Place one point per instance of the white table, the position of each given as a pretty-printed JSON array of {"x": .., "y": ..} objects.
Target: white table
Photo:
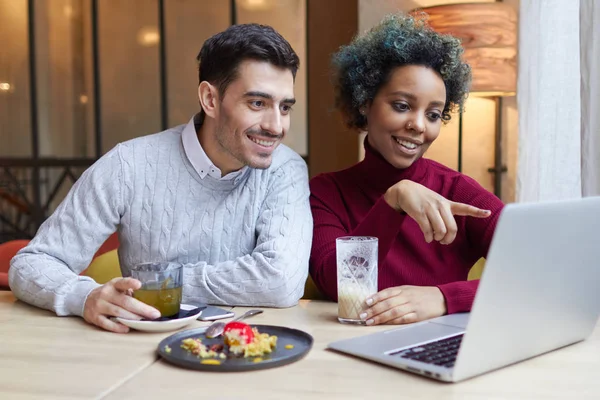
[
  {"x": 46, "y": 357},
  {"x": 571, "y": 373}
]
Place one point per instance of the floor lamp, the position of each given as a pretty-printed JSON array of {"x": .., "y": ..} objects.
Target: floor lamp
[{"x": 488, "y": 32}]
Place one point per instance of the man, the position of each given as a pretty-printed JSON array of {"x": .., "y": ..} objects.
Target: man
[{"x": 219, "y": 195}]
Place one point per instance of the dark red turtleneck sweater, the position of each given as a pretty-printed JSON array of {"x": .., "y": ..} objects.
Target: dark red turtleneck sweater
[{"x": 350, "y": 202}]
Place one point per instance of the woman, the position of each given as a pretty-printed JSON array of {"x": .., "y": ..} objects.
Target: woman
[{"x": 399, "y": 82}]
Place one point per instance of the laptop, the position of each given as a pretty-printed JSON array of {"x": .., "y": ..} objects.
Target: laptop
[{"x": 540, "y": 291}]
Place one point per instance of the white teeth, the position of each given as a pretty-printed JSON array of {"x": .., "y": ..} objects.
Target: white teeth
[
  {"x": 408, "y": 145},
  {"x": 265, "y": 143}
]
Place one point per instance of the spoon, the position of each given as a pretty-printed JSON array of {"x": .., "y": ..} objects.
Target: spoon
[{"x": 216, "y": 328}]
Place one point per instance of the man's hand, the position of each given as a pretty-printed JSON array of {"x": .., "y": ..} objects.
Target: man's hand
[
  {"x": 434, "y": 213},
  {"x": 404, "y": 304},
  {"x": 113, "y": 299}
]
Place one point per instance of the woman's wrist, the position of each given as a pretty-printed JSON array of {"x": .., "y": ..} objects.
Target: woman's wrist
[{"x": 392, "y": 195}]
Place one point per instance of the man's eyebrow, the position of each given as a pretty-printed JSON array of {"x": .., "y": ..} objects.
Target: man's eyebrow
[
  {"x": 258, "y": 94},
  {"x": 268, "y": 96},
  {"x": 412, "y": 97}
]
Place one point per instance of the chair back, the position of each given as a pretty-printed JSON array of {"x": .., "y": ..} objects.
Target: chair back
[
  {"x": 7, "y": 251},
  {"x": 110, "y": 244},
  {"x": 104, "y": 268}
]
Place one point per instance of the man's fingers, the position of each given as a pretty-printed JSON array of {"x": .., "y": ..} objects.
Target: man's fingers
[
  {"x": 114, "y": 310},
  {"x": 468, "y": 211},
  {"x": 114, "y": 301},
  {"x": 124, "y": 284},
  {"x": 136, "y": 307},
  {"x": 110, "y": 325}
]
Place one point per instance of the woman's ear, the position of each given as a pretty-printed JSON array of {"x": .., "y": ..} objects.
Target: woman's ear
[
  {"x": 364, "y": 111},
  {"x": 208, "y": 97}
]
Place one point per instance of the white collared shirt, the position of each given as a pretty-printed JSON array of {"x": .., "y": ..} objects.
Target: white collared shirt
[{"x": 198, "y": 157}]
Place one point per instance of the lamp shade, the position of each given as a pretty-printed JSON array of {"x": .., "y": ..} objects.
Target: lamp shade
[{"x": 488, "y": 32}]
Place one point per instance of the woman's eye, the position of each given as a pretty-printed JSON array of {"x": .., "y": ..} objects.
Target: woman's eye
[
  {"x": 401, "y": 106},
  {"x": 434, "y": 116}
]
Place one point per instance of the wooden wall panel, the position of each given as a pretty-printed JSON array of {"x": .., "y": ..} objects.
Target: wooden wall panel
[{"x": 331, "y": 24}]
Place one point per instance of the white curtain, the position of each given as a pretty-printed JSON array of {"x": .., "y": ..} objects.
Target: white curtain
[
  {"x": 548, "y": 95},
  {"x": 590, "y": 97},
  {"x": 559, "y": 99}
]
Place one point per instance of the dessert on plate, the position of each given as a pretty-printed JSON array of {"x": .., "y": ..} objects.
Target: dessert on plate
[{"x": 239, "y": 340}]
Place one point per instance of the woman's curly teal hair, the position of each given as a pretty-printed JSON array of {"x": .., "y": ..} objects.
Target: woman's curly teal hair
[{"x": 365, "y": 65}]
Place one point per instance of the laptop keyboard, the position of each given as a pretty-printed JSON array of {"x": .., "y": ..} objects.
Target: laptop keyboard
[{"x": 441, "y": 352}]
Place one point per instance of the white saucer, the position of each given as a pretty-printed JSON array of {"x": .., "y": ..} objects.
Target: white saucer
[{"x": 162, "y": 326}]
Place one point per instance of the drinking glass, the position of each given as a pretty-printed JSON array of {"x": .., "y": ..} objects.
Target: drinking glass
[
  {"x": 161, "y": 285},
  {"x": 356, "y": 275}
]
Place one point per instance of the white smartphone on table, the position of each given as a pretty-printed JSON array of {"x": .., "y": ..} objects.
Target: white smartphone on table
[{"x": 212, "y": 313}]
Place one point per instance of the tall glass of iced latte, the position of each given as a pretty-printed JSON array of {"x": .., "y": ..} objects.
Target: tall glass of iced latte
[{"x": 356, "y": 275}]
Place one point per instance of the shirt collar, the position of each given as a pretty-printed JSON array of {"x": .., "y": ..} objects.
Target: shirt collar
[{"x": 198, "y": 157}]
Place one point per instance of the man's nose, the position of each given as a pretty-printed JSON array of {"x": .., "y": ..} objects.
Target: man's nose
[{"x": 272, "y": 122}]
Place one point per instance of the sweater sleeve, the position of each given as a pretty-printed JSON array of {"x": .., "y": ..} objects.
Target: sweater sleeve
[
  {"x": 45, "y": 272},
  {"x": 274, "y": 273},
  {"x": 331, "y": 221},
  {"x": 479, "y": 231}
]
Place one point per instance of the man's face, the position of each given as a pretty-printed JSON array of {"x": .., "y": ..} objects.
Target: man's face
[{"x": 253, "y": 116}]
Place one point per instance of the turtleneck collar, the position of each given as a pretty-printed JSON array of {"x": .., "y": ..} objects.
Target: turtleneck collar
[{"x": 380, "y": 175}]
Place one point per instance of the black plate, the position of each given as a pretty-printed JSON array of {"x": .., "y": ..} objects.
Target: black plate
[{"x": 301, "y": 341}]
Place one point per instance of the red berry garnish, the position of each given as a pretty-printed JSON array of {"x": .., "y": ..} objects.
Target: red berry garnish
[{"x": 238, "y": 332}]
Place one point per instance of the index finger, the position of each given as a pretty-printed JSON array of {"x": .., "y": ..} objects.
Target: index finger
[
  {"x": 124, "y": 284},
  {"x": 468, "y": 210},
  {"x": 122, "y": 299},
  {"x": 137, "y": 307}
]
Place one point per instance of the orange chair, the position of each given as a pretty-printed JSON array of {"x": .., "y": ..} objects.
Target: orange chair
[
  {"x": 7, "y": 252},
  {"x": 111, "y": 243},
  {"x": 9, "y": 249}
]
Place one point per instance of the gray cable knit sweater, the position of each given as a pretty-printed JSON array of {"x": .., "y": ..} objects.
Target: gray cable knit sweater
[{"x": 243, "y": 241}]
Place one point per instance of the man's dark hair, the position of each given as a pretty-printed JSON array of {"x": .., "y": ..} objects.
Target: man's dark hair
[{"x": 221, "y": 54}]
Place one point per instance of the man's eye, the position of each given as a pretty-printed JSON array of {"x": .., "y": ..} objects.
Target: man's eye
[
  {"x": 257, "y": 103},
  {"x": 286, "y": 109}
]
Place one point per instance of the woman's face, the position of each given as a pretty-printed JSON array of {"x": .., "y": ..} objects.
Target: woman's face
[{"x": 405, "y": 116}]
